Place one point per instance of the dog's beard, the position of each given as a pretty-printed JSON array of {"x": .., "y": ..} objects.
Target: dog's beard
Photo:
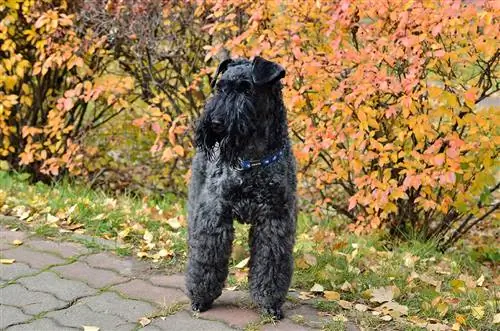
[{"x": 237, "y": 113}]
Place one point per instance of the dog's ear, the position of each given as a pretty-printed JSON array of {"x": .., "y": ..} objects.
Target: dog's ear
[
  {"x": 220, "y": 70},
  {"x": 265, "y": 72}
]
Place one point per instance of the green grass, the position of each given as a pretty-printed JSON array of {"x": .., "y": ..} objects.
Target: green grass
[{"x": 336, "y": 258}]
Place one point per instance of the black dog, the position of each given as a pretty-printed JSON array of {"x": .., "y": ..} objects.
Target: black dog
[{"x": 244, "y": 169}]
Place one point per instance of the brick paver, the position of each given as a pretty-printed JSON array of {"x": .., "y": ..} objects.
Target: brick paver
[
  {"x": 31, "y": 302},
  {"x": 142, "y": 290},
  {"x": 123, "y": 266},
  {"x": 231, "y": 315},
  {"x": 73, "y": 288},
  {"x": 64, "y": 249},
  {"x": 67, "y": 290},
  {"x": 112, "y": 303},
  {"x": 11, "y": 315},
  {"x": 44, "y": 324},
  {"x": 184, "y": 322},
  {"x": 15, "y": 270},
  {"x": 96, "y": 278},
  {"x": 32, "y": 258},
  {"x": 79, "y": 314}
]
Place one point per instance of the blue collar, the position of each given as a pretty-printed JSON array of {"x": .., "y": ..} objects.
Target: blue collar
[{"x": 250, "y": 164}]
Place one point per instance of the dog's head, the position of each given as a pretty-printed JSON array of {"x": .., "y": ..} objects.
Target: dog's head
[{"x": 247, "y": 101}]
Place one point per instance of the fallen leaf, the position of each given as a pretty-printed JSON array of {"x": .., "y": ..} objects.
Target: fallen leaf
[
  {"x": 317, "y": 288},
  {"x": 346, "y": 287},
  {"x": 442, "y": 309},
  {"x": 361, "y": 307},
  {"x": 148, "y": 236},
  {"x": 144, "y": 321},
  {"x": 345, "y": 304},
  {"x": 306, "y": 295},
  {"x": 163, "y": 252},
  {"x": 496, "y": 318},
  {"x": 52, "y": 219},
  {"x": 477, "y": 312},
  {"x": 7, "y": 261},
  {"x": 480, "y": 281},
  {"x": 457, "y": 285},
  {"x": 393, "y": 308},
  {"x": 332, "y": 295},
  {"x": 243, "y": 263},
  {"x": 310, "y": 259},
  {"x": 232, "y": 288},
  {"x": 384, "y": 294},
  {"x": 174, "y": 223},
  {"x": 17, "y": 242},
  {"x": 386, "y": 318},
  {"x": 455, "y": 327},
  {"x": 90, "y": 328}
]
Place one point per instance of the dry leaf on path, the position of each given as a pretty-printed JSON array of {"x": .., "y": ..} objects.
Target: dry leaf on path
[
  {"x": 17, "y": 242},
  {"x": 90, "y": 328},
  {"x": 386, "y": 318},
  {"x": 361, "y": 307},
  {"x": 345, "y": 304},
  {"x": 317, "y": 288},
  {"x": 332, "y": 295},
  {"x": 384, "y": 294},
  {"x": 243, "y": 263},
  {"x": 393, "y": 308},
  {"x": 7, "y": 261},
  {"x": 144, "y": 321}
]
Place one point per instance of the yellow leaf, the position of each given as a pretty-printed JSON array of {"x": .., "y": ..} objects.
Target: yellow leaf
[
  {"x": 345, "y": 304},
  {"x": 242, "y": 263},
  {"x": 148, "y": 236},
  {"x": 496, "y": 318},
  {"x": 174, "y": 223},
  {"x": 144, "y": 321},
  {"x": 477, "y": 312},
  {"x": 332, "y": 295},
  {"x": 7, "y": 261},
  {"x": 17, "y": 242},
  {"x": 317, "y": 288},
  {"x": 90, "y": 328}
]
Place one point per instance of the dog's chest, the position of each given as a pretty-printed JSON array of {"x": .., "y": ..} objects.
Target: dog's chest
[{"x": 251, "y": 195}]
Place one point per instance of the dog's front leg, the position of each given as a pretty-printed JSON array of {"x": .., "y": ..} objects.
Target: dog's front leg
[
  {"x": 271, "y": 262},
  {"x": 210, "y": 237}
]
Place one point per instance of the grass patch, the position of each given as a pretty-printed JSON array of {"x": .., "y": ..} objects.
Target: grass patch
[{"x": 457, "y": 287}]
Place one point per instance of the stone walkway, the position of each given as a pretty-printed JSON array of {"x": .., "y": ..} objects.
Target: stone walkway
[{"x": 65, "y": 286}]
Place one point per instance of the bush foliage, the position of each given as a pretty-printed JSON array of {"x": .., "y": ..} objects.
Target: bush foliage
[{"x": 384, "y": 96}]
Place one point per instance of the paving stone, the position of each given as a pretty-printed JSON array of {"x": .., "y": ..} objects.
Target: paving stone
[
  {"x": 96, "y": 278},
  {"x": 14, "y": 270},
  {"x": 44, "y": 324},
  {"x": 32, "y": 302},
  {"x": 7, "y": 236},
  {"x": 80, "y": 314},
  {"x": 123, "y": 266},
  {"x": 112, "y": 303},
  {"x": 67, "y": 290},
  {"x": 11, "y": 315},
  {"x": 232, "y": 316},
  {"x": 175, "y": 281},
  {"x": 308, "y": 315},
  {"x": 142, "y": 290},
  {"x": 64, "y": 249},
  {"x": 184, "y": 322},
  {"x": 235, "y": 298},
  {"x": 32, "y": 258},
  {"x": 284, "y": 325}
]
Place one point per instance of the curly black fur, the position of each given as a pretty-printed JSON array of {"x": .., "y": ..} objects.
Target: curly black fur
[{"x": 244, "y": 119}]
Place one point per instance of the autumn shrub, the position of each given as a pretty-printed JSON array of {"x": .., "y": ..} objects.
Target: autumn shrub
[
  {"x": 54, "y": 87},
  {"x": 383, "y": 99},
  {"x": 161, "y": 45}
]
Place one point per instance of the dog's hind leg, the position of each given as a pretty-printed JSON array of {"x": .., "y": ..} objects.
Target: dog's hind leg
[
  {"x": 271, "y": 262},
  {"x": 210, "y": 237}
]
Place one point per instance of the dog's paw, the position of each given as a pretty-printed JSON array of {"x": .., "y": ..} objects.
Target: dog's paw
[
  {"x": 200, "y": 307},
  {"x": 276, "y": 313}
]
